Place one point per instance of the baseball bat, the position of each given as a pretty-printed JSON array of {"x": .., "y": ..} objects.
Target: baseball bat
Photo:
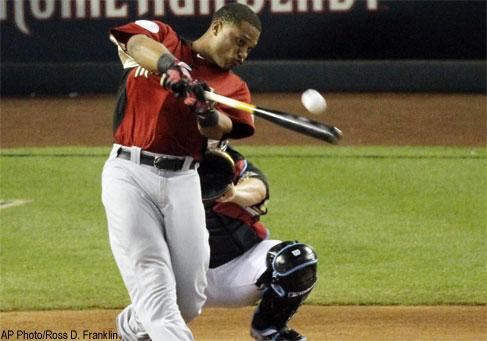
[{"x": 297, "y": 123}]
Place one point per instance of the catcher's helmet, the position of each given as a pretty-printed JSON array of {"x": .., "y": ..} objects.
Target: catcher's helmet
[
  {"x": 293, "y": 267},
  {"x": 216, "y": 171}
]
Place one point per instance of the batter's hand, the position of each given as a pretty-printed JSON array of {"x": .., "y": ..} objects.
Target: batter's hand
[
  {"x": 177, "y": 78},
  {"x": 196, "y": 98}
]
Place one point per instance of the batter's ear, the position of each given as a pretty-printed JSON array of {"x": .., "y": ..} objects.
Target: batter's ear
[{"x": 216, "y": 27}]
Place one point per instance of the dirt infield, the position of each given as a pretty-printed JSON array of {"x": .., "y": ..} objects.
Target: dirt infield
[
  {"x": 317, "y": 323},
  {"x": 365, "y": 119}
]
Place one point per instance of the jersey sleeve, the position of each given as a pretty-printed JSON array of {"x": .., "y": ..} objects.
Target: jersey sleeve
[
  {"x": 153, "y": 29},
  {"x": 120, "y": 35},
  {"x": 243, "y": 122}
]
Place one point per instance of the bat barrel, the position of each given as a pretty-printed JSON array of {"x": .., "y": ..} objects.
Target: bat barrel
[{"x": 301, "y": 125}]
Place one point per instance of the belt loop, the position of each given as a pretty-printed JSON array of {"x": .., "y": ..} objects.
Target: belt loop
[
  {"x": 135, "y": 154},
  {"x": 115, "y": 150},
  {"x": 188, "y": 161}
]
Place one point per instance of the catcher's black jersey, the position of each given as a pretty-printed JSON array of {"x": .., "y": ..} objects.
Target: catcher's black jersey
[{"x": 234, "y": 229}]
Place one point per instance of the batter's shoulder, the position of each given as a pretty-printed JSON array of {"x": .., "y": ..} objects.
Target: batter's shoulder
[
  {"x": 154, "y": 29},
  {"x": 234, "y": 86}
]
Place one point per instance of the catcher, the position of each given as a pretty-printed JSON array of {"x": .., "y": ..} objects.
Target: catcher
[{"x": 245, "y": 266}]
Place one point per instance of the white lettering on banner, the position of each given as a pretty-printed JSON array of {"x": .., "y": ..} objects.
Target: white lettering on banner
[
  {"x": 281, "y": 6},
  {"x": 256, "y": 5},
  {"x": 372, "y": 5},
  {"x": 66, "y": 9},
  {"x": 80, "y": 5},
  {"x": 80, "y": 8},
  {"x": 341, "y": 5},
  {"x": 38, "y": 12},
  {"x": 158, "y": 7},
  {"x": 3, "y": 9},
  {"x": 90, "y": 9},
  {"x": 182, "y": 7},
  {"x": 302, "y": 5},
  {"x": 219, "y": 4},
  {"x": 95, "y": 10},
  {"x": 204, "y": 7},
  {"x": 317, "y": 5},
  {"x": 142, "y": 8},
  {"x": 114, "y": 11},
  {"x": 20, "y": 17}
]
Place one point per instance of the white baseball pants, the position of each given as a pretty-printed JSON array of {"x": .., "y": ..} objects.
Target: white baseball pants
[
  {"x": 157, "y": 232},
  {"x": 232, "y": 284}
]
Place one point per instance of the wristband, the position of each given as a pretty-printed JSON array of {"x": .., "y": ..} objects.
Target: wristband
[
  {"x": 208, "y": 120},
  {"x": 165, "y": 62}
]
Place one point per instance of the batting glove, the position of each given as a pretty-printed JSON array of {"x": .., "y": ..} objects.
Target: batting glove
[
  {"x": 196, "y": 99},
  {"x": 176, "y": 75},
  {"x": 197, "y": 102}
]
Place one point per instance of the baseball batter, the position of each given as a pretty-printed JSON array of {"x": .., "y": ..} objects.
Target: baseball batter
[
  {"x": 150, "y": 185},
  {"x": 245, "y": 266}
]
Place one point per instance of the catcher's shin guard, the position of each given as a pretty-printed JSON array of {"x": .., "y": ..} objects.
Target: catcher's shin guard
[
  {"x": 290, "y": 277},
  {"x": 271, "y": 316}
]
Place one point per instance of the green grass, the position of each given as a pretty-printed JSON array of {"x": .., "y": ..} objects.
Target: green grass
[
  {"x": 390, "y": 225},
  {"x": 54, "y": 251}
]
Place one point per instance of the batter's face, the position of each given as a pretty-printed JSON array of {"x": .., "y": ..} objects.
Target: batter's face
[{"x": 231, "y": 44}]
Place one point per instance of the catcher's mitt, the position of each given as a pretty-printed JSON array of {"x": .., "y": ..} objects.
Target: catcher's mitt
[{"x": 216, "y": 170}]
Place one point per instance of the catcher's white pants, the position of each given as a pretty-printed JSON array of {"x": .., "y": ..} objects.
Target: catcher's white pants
[
  {"x": 157, "y": 232},
  {"x": 232, "y": 284}
]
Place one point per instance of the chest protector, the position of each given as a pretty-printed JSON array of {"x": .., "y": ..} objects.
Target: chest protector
[{"x": 232, "y": 231}]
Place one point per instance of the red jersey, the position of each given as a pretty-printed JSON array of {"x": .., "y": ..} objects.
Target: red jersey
[{"x": 150, "y": 117}]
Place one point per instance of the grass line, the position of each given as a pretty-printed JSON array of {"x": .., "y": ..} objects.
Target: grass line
[
  {"x": 317, "y": 156},
  {"x": 278, "y": 152}
]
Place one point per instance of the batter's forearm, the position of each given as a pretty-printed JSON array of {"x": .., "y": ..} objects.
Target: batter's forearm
[
  {"x": 222, "y": 126},
  {"x": 146, "y": 51}
]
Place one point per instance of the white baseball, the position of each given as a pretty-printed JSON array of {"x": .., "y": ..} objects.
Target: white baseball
[{"x": 313, "y": 101}]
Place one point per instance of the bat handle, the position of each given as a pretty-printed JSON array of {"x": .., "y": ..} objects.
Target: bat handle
[{"x": 230, "y": 102}]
